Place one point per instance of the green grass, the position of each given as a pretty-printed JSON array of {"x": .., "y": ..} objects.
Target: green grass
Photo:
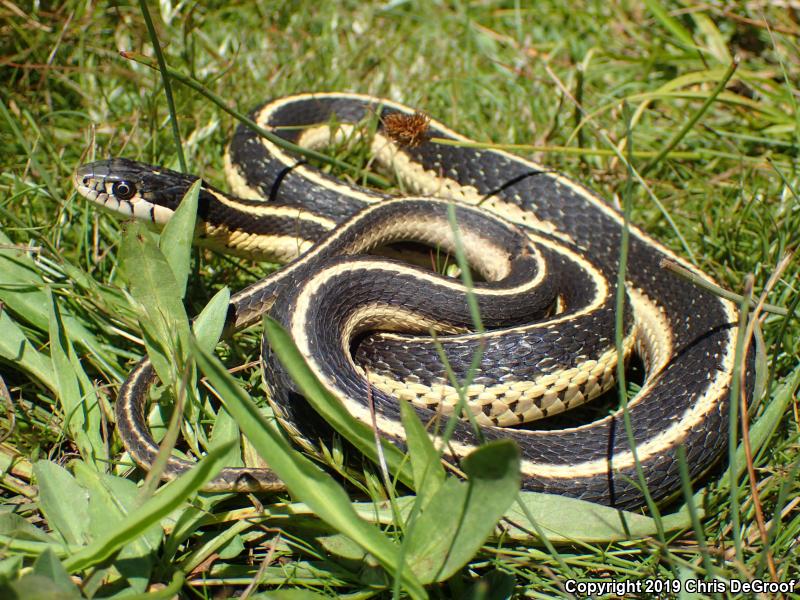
[{"x": 553, "y": 79}]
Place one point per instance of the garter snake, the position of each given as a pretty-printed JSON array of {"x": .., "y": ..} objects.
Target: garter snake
[{"x": 548, "y": 249}]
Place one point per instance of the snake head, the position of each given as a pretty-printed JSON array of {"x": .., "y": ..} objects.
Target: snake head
[{"x": 133, "y": 188}]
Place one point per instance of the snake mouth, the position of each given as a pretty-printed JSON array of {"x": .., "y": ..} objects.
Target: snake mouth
[
  {"x": 89, "y": 185},
  {"x": 128, "y": 187}
]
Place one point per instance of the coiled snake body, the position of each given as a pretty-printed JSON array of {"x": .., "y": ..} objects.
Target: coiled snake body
[{"x": 548, "y": 250}]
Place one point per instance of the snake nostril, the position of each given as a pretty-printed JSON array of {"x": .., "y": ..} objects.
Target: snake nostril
[{"x": 86, "y": 181}]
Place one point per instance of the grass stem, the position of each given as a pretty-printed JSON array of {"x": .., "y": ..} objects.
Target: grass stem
[
  {"x": 191, "y": 82},
  {"x": 165, "y": 81},
  {"x": 690, "y": 123}
]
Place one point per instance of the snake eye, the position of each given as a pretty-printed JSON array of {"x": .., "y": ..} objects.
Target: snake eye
[{"x": 123, "y": 190}]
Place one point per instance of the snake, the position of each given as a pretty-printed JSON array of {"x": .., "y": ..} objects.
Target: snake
[{"x": 376, "y": 331}]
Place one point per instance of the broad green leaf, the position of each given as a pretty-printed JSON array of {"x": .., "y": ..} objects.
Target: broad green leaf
[
  {"x": 564, "y": 519},
  {"x": 192, "y": 518},
  {"x": 35, "y": 587},
  {"x": 226, "y": 431},
  {"x": 343, "y": 547},
  {"x": 233, "y": 548},
  {"x": 161, "y": 312},
  {"x": 211, "y": 543},
  {"x": 348, "y": 555},
  {"x": 304, "y": 479},
  {"x": 91, "y": 404},
  {"x": 207, "y": 328},
  {"x": 10, "y": 568},
  {"x": 167, "y": 499},
  {"x": 64, "y": 503},
  {"x": 16, "y": 527},
  {"x": 208, "y": 325},
  {"x": 547, "y": 510},
  {"x": 556, "y": 515},
  {"x": 176, "y": 237},
  {"x": 111, "y": 499},
  {"x": 329, "y": 407},
  {"x": 464, "y": 513},
  {"x": 16, "y": 349},
  {"x": 426, "y": 464},
  {"x": 48, "y": 566}
]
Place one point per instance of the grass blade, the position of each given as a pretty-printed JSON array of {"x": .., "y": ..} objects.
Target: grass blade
[
  {"x": 165, "y": 80},
  {"x": 24, "y": 291},
  {"x": 329, "y": 407},
  {"x": 169, "y": 498},
  {"x": 671, "y": 24},
  {"x": 733, "y": 419},
  {"x": 426, "y": 464},
  {"x": 111, "y": 500},
  {"x": 49, "y": 567},
  {"x": 464, "y": 513},
  {"x": 304, "y": 479},
  {"x": 687, "y": 127},
  {"x": 79, "y": 403},
  {"x": 16, "y": 349}
]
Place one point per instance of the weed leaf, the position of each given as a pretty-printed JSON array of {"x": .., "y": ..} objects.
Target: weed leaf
[
  {"x": 208, "y": 325},
  {"x": 49, "y": 567},
  {"x": 161, "y": 313},
  {"x": 425, "y": 461},
  {"x": 177, "y": 236},
  {"x": 63, "y": 501},
  {"x": 304, "y": 479},
  {"x": 169, "y": 498},
  {"x": 462, "y": 515}
]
